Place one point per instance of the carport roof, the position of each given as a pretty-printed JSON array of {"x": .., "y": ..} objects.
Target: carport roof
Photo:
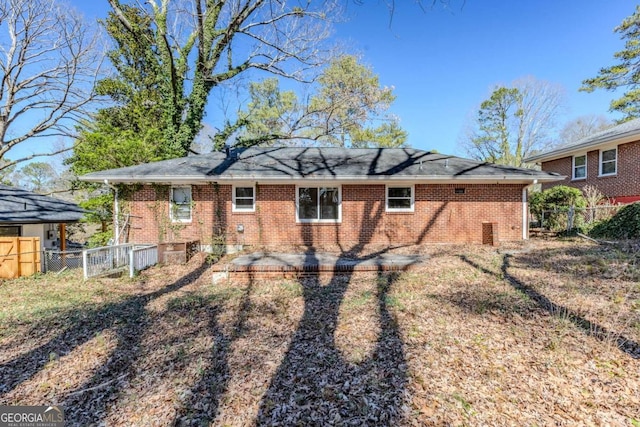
[
  {"x": 277, "y": 164},
  {"x": 19, "y": 206}
]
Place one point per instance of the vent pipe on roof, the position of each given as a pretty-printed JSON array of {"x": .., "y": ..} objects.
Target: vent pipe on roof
[{"x": 446, "y": 163}]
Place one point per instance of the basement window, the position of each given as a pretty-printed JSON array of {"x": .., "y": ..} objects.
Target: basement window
[{"x": 318, "y": 204}]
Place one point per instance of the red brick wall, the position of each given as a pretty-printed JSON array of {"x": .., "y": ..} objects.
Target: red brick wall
[
  {"x": 440, "y": 216},
  {"x": 624, "y": 184}
]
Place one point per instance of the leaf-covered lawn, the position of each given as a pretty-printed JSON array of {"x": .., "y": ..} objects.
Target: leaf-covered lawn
[{"x": 546, "y": 334}]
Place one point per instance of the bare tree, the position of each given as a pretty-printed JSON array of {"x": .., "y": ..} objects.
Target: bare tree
[
  {"x": 515, "y": 122},
  {"x": 581, "y": 127},
  {"x": 49, "y": 63}
]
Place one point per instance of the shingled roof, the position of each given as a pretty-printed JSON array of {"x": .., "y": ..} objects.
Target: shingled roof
[
  {"x": 278, "y": 164},
  {"x": 620, "y": 134},
  {"x": 24, "y": 207}
]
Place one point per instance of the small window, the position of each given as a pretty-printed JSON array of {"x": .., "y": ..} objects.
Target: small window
[
  {"x": 181, "y": 204},
  {"x": 10, "y": 231},
  {"x": 608, "y": 161},
  {"x": 459, "y": 191},
  {"x": 580, "y": 167},
  {"x": 400, "y": 199},
  {"x": 318, "y": 204},
  {"x": 244, "y": 199}
]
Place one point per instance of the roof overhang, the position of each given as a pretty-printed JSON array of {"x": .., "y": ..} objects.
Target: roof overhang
[
  {"x": 199, "y": 180},
  {"x": 38, "y": 221},
  {"x": 578, "y": 149}
]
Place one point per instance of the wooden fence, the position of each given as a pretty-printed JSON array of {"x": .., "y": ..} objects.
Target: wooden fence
[{"x": 19, "y": 256}]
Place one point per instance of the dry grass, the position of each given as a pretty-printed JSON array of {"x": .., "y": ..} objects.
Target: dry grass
[{"x": 545, "y": 335}]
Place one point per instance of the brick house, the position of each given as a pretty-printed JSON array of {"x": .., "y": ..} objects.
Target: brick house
[
  {"x": 322, "y": 197},
  {"x": 608, "y": 160}
]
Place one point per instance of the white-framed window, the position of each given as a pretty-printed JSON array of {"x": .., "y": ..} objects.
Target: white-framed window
[
  {"x": 580, "y": 167},
  {"x": 608, "y": 162},
  {"x": 180, "y": 204},
  {"x": 244, "y": 198},
  {"x": 318, "y": 204},
  {"x": 399, "y": 198}
]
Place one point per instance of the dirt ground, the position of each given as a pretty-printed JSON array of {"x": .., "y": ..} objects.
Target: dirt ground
[{"x": 540, "y": 334}]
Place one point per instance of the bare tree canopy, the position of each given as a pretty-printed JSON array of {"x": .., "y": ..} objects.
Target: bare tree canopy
[
  {"x": 515, "y": 122},
  {"x": 581, "y": 127},
  {"x": 48, "y": 65}
]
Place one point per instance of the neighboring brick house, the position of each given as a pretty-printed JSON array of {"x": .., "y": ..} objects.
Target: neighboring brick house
[
  {"x": 324, "y": 196},
  {"x": 608, "y": 160}
]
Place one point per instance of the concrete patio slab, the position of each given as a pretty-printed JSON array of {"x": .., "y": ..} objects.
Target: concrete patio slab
[{"x": 319, "y": 262}]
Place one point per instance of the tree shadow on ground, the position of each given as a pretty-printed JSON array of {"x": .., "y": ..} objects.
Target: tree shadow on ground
[
  {"x": 129, "y": 320},
  {"x": 316, "y": 385},
  {"x": 480, "y": 301},
  {"x": 589, "y": 328},
  {"x": 203, "y": 405},
  {"x": 593, "y": 261}
]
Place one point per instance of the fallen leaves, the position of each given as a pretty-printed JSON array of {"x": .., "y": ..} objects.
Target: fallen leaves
[{"x": 451, "y": 343}]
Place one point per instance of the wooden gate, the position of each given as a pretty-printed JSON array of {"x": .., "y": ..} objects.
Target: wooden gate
[{"x": 19, "y": 256}]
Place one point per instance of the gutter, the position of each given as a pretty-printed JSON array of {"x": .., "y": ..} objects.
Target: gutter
[
  {"x": 116, "y": 212},
  {"x": 525, "y": 210},
  {"x": 202, "y": 179}
]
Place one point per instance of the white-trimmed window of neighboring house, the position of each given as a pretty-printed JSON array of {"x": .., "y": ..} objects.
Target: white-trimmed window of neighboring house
[
  {"x": 181, "y": 204},
  {"x": 580, "y": 167},
  {"x": 318, "y": 204},
  {"x": 399, "y": 198},
  {"x": 608, "y": 162},
  {"x": 244, "y": 198}
]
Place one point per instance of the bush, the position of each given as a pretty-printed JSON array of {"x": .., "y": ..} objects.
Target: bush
[
  {"x": 101, "y": 238},
  {"x": 625, "y": 224},
  {"x": 561, "y": 197},
  {"x": 536, "y": 204},
  {"x": 553, "y": 206}
]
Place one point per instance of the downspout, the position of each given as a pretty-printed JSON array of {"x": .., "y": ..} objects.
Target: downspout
[
  {"x": 116, "y": 212},
  {"x": 525, "y": 210}
]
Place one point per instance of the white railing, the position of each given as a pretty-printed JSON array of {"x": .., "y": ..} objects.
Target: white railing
[
  {"x": 113, "y": 259},
  {"x": 142, "y": 257}
]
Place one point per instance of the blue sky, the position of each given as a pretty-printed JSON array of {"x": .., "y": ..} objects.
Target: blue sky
[{"x": 444, "y": 62}]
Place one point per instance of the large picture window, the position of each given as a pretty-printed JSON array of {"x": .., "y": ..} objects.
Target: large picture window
[
  {"x": 400, "y": 198},
  {"x": 180, "y": 204},
  {"x": 318, "y": 204},
  {"x": 580, "y": 167},
  {"x": 244, "y": 199},
  {"x": 608, "y": 161}
]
